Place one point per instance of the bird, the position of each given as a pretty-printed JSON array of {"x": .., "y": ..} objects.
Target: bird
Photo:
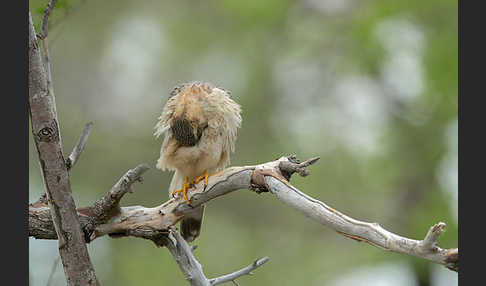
[{"x": 199, "y": 122}]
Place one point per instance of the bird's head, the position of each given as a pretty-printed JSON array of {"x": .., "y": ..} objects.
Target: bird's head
[{"x": 192, "y": 107}]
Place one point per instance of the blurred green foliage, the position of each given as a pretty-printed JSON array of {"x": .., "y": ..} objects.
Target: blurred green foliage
[{"x": 114, "y": 63}]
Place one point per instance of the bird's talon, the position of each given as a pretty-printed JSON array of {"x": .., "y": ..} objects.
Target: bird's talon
[
  {"x": 183, "y": 190},
  {"x": 204, "y": 177}
]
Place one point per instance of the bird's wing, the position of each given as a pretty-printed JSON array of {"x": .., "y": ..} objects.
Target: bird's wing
[
  {"x": 191, "y": 223},
  {"x": 163, "y": 127},
  {"x": 230, "y": 111}
]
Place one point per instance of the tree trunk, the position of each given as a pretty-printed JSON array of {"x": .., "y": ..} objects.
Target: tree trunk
[{"x": 45, "y": 130}]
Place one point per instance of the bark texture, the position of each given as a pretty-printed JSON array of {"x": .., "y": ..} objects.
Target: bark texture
[{"x": 45, "y": 131}]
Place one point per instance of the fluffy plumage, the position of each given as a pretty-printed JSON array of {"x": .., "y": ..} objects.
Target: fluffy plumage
[{"x": 200, "y": 125}]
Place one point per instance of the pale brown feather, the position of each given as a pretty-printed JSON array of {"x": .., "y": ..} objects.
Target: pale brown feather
[{"x": 213, "y": 117}]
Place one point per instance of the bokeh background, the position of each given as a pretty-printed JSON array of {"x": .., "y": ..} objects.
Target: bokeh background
[{"x": 369, "y": 86}]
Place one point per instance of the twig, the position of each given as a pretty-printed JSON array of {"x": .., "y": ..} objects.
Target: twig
[
  {"x": 45, "y": 19},
  {"x": 47, "y": 64},
  {"x": 122, "y": 187},
  {"x": 108, "y": 206},
  {"x": 430, "y": 240},
  {"x": 68, "y": 13},
  {"x": 245, "y": 271},
  {"x": 294, "y": 166},
  {"x": 73, "y": 157},
  {"x": 45, "y": 49},
  {"x": 191, "y": 268}
]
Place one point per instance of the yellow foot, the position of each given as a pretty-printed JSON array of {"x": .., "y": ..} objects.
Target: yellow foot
[
  {"x": 183, "y": 190},
  {"x": 204, "y": 176}
]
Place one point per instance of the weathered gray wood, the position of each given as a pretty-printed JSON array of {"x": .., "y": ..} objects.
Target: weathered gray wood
[
  {"x": 245, "y": 271},
  {"x": 182, "y": 253},
  {"x": 79, "y": 147},
  {"x": 371, "y": 233},
  {"x": 191, "y": 268},
  {"x": 273, "y": 177},
  {"x": 40, "y": 220},
  {"x": 45, "y": 130}
]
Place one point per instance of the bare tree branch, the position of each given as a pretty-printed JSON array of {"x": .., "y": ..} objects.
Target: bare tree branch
[
  {"x": 43, "y": 37},
  {"x": 182, "y": 253},
  {"x": 58, "y": 23},
  {"x": 45, "y": 130},
  {"x": 191, "y": 268},
  {"x": 151, "y": 223},
  {"x": 371, "y": 233},
  {"x": 124, "y": 185},
  {"x": 245, "y": 271},
  {"x": 45, "y": 19},
  {"x": 40, "y": 222},
  {"x": 78, "y": 149},
  {"x": 68, "y": 14}
]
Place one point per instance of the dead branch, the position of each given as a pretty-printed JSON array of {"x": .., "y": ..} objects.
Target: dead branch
[
  {"x": 45, "y": 19},
  {"x": 245, "y": 271},
  {"x": 67, "y": 14},
  {"x": 182, "y": 253},
  {"x": 151, "y": 223},
  {"x": 79, "y": 147},
  {"x": 191, "y": 268},
  {"x": 371, "y": 233},
  {"x": 40, "y": 222}
]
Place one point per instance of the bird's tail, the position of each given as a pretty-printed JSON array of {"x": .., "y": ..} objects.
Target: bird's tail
[
  {"x": 192, "y": 221},
  {"x": 191, "y": 224}
]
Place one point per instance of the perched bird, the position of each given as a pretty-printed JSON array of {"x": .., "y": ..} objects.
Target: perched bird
[{"x": 200, "y": 124}]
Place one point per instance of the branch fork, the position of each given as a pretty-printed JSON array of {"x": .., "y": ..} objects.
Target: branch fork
[{"x": 272, "y": 177}]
